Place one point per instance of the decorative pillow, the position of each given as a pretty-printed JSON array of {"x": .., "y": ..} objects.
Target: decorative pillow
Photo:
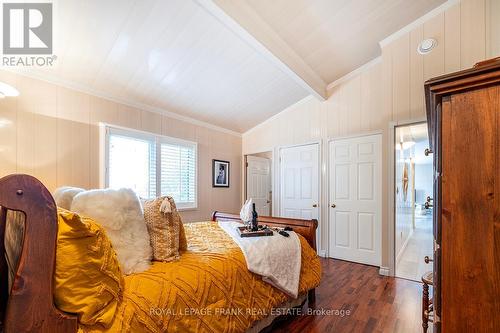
[
  {"x": 164, "y": 226},
  {"x": 120, "y": 213},
  {"x": 176, "y": 215},
  {"x": 88, "y": 280},
  {"x": 182, "y": 235},
  {"x": 63, "y": 196}
]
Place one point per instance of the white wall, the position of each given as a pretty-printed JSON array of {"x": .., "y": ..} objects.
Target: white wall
[
  {"x": 389, "y": 90},
  {"x": 423, "y": 172},
  {"x": 423, "y": 181}
]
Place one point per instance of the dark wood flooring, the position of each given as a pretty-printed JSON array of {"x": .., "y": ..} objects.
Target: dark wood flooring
[{"x": 376, "y": 303}]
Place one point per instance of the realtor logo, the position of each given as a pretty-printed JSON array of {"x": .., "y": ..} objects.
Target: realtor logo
[{"x": 27, "y": 28}]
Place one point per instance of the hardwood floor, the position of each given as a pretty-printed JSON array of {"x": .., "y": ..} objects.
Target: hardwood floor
[{"x": 376, "y": 303}]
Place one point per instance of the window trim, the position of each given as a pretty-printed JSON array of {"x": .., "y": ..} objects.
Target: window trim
[{"x": 107, "y": 130}]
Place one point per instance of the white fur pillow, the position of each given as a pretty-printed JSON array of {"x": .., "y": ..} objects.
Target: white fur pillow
[
  {"x": 63, "y": 196},
  {"x": 120, "y": 213}
]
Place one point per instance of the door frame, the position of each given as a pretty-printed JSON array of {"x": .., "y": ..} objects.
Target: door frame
[
  {"x": 271, "y": 174},
  {"x": 244, "y": 175},
  {"x": 277, "y": 185},
  {"x": 391, "y": 216},
  {"x": 329, "y": 200}
]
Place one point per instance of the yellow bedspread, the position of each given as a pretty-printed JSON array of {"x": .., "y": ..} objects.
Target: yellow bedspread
[{"x": 208, "y": 290}]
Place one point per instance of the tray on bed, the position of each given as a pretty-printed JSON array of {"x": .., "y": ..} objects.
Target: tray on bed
[{"x": 244, "y": 232}]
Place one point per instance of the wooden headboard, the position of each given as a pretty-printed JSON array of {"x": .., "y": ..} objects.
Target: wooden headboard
[
  {"x": 28, "y": 306},
  {"x": 306, "y": 228}
]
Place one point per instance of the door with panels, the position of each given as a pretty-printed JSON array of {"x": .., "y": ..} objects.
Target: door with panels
[
  {"x": 355, "y": 195},
  {"x": 299, "y": 182},
  {"x": 259, "y": 183}
]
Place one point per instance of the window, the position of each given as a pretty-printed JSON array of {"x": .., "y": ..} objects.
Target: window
[{"x": 152, "y": 165}]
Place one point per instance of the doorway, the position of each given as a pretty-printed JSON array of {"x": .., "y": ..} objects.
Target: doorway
[
  {"x": 259, "y": 181},
  {"x": 413, "y": 199}
]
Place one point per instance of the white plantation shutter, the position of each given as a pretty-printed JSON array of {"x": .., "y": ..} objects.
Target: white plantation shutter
[
  {"x": 131, "y": 163},
  {"x": 178, "y": 173},
  {"x": 152, "y": 165}
]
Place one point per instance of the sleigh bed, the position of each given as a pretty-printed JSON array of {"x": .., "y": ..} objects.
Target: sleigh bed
[{"x": 28, "y": 262}]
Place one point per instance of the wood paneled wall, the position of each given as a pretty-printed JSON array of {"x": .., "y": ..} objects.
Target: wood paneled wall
[
  {"x": 52, "y": 132},
  {"x": 389, "y": 90}
]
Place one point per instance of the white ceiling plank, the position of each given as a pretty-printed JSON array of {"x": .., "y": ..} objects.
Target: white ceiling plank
[
  {"x": 249, "y": 26},
  {"x": 224, "y": 64},
  {"x": 406, "y": 29},
  {"x": 171, "y": 56},
  {"x": 334, "y": 37}
]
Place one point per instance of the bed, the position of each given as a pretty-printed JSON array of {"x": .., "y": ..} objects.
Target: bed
[{"x": 208, "y": 290}]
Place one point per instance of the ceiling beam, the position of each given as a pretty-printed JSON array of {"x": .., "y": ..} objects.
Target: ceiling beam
[{"x": 240, "y": 18}]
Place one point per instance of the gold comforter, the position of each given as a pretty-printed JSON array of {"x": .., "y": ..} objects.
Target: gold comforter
[{"x": 208, "y": 290}]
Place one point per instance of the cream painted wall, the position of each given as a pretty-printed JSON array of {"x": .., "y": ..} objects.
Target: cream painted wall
[
  {"x": 390, "y": 90},
  {"x": 52, "y": 133},
  {"x": 265, "y": 154},
  {"x": 493, "y": 27}
]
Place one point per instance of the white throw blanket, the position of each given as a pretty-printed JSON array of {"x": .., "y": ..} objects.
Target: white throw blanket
[{"x": 276, "y": 258}]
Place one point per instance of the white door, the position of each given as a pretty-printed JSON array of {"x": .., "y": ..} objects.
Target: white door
[
  {"x": 355, "y": 194},
  {"x": 259, "y": 183},
  {"x": 299, "y": 182}
]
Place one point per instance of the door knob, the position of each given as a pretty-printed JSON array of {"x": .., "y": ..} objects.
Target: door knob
[
  {"x": 428, "y": 151},
  {"x": 315, "y": 205},
  {"x": 427, "y": 259},
  {"x": 333, "y": 205}
]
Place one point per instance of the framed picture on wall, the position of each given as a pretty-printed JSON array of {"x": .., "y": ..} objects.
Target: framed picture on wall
[{"x": 220, "y": 173}]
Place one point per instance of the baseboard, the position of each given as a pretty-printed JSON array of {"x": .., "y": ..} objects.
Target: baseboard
[
  {"x": 322, "y": 253},
  {"x": 384, "y": 271},
  {"x": 398, "y": 257}
]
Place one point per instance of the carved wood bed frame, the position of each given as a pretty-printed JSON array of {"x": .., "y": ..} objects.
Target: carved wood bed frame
[{"x": 29, "y": 304}]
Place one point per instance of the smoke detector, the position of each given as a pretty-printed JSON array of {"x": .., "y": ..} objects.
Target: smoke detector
[{"x": 426, "y": 45}]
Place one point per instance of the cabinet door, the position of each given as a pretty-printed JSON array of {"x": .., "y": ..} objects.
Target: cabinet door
[
  {"x": 470, "y": 212},
  {"x": 437, "y": 212}
]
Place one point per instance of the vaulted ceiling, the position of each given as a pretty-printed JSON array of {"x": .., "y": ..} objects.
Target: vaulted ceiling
[
  {"x": 335, "y": 37},
  {"x": 230, "y": 63}
]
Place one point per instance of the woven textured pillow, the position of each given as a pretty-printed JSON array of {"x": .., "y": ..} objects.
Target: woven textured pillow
[
  {"x": 182, "y": 236},
  {"x": 164, "y": 226},
  {"x": 176, "y": 215},
  {"x": 88, "y": 280}
]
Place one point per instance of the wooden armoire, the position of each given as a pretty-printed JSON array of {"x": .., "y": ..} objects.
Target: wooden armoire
[{"x": 463, "y": 113}]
